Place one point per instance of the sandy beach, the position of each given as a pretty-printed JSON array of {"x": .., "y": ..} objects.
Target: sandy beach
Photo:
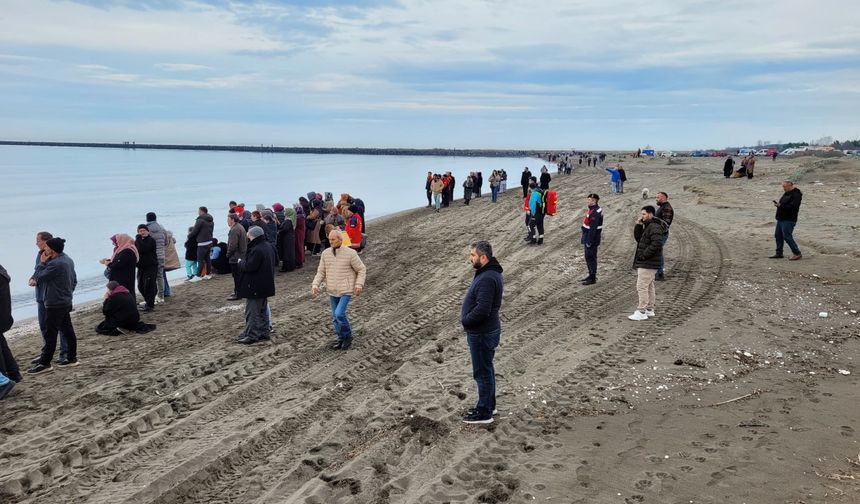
[{"x": 738, "y": 391}]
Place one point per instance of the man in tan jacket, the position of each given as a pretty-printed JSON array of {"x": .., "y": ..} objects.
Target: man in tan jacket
[{"x": 344, "y": 274}]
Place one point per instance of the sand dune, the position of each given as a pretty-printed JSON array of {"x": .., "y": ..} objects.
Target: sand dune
[{"x": 592, "y": 406}]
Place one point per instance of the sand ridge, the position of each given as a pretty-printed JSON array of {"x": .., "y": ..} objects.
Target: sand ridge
[{"x": 592, "y": 406}]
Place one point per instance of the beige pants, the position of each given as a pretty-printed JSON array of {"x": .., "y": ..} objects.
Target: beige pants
[{"x": 645, "y": 288}]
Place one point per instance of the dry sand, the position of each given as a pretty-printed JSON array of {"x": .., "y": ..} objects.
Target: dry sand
[{"x": 593, "y": 408}]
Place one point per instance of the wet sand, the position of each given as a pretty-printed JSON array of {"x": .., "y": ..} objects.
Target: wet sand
[{"x": 592, "y": 407}]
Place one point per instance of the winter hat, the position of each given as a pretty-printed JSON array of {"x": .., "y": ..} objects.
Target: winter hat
[
  {"x": 142, "y": 226},
  {"x": 56, "y": 244},
  {"x": 278, "y": 207},
  {"x": 150, "y": 217},
  {"x": 260, "y": 207},
  {"x": 255, "y": 232}
]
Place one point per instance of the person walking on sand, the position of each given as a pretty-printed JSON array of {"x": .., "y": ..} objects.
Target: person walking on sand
[
  {"x": 41, "y": 238},
  {"x": 159, "y": 234},
  {"x": 664, "y": 213},
  {"x": 56, "y": 273},
  {"x": 147, "y": 267},
  {"x": 728, "y": 167},
  {"x": 237, "y": 247},
  {"x": 648, "y": 233},
  {"x": 480, "y": 319},
  {"x": 787, "y": 209},
  {"x": 592, "y": 227},
  {"x": 201, "y": 233},
  {"x": 524, "y": 181},
  {"x": 10, "y": 374},
  {"x": 257, "y": 285},
  {"x": 344, "y": 275},
  {"x": 436, "y": 187}
]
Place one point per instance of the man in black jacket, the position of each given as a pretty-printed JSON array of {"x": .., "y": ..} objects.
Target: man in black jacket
[
  {"x": 9, "y": 372},
  {"x": 787, "y": 209},
  {"x": 480, "y": 319},
  {"x": 201, "y": 233},
  {"x": 147, "y": 266},
  {"x": 56, "y": 275},
  {"x": 257, "y": 285},
  {"x": 649, "y": 247},
  {"x": 524, "y": 181},
  {"x": 664, "y": 213},
  {"x": 592, "y": 227}
]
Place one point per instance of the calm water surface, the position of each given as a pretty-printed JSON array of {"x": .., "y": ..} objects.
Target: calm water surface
[{"x": 87, "y": 195}]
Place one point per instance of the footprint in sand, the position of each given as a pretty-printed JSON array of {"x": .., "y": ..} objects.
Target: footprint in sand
[
  {"x": 583, "y": 474},
  {"x": 846, "y": 431}
]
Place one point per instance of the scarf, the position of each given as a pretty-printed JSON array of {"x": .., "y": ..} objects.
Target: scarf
[{"x": 123, "y": 242}]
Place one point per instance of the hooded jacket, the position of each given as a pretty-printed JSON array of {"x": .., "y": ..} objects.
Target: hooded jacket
[
  {"x": 5, "y": 301},
  {"x": 59, "y": 280},
  {"x": 480, "y": 312},
  {"x": 257, "y": 277},
  {"x": 649, "y": 247},
  {"x": 789, "y": 205},
  {"x": 158, "y": 234},
  {"x": 203, "y": 228}
]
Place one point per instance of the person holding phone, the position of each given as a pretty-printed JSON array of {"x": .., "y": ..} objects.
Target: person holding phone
[{"x": 787, "y": 209}]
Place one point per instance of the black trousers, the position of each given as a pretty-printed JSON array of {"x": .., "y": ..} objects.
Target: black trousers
[
  {"x": 536, "y": 227},
  {"x": 234, "y": 270},
  {"x": 147, "y": 284},
  {"x": 591, "y": 259},
  {"x": 58, "y": 318},
  {"x": 8, "y": 364},
  {"x": 525, "y": 191},
  {"x": 429, "y": 198}
]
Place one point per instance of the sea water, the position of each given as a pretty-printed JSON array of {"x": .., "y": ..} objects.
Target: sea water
[{"x": 86, "y": 195}]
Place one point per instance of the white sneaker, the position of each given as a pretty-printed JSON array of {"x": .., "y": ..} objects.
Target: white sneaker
[
  {"x": 650, "y": 313},
  {"x": 196, "y": 279},
  {"x": 207, "y": 277},
  {"x": 638, "y": 315}
]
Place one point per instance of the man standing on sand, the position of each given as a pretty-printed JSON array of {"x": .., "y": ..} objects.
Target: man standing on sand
[
  {"x": 750, "y": 166},
  {"x": 524, "y": 181},
  {"x": 202, "y": 234},
  {"x": 427, "y": 189},
  {"x": 344, "y": 275},
  {"x": 55, "y": 274},
  {"x": 159, "y": 234},
  {"x": 257, "y": 285},
  {"x": 664, "y": 213},
  {"x": 9, "y": 372},
  {"x": 237, "y": 247},
  {"x": 787, "y": 209},
  {"x": 147, "y": 267},
  {"x": 649, "y": 237},
  {"x": 41, "y": 238},
  {"x": 480, "y": 318},
  {"x": 592, "y": 227}
]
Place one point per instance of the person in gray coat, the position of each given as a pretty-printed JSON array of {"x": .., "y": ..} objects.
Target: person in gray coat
[
  {"x": 237, "y": 248},
  {"x": 159, "y": 234},
  {"x": 56, "y": 273}
]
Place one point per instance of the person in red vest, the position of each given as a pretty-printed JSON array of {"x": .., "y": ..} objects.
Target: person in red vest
[{"x": 353, "y": 228}]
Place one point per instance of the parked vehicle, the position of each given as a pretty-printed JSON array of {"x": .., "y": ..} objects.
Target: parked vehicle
[
  {"x": 668, "y": 154},
  {"x": 762, "y": 152},
  {"x": 699, "y": 153},
  {"x": 745, "y": 151},
  {"x": 648, "y": 152}
]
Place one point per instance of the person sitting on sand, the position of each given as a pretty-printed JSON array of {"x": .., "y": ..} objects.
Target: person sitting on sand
[{"x": 120, "y": 312}]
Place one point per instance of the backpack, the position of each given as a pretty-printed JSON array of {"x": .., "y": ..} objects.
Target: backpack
[{"x": 550, "y": 199}]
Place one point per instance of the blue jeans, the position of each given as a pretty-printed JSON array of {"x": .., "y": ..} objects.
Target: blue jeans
[
  {"x": 437, "y": 200},
  {"x": 494, "y": 191},
  {"x": 166, "y": 285},
  {"x": 338, "y": 316},
  {"x": 784, "y": 233},
  {"x": 64, "y": 344},
  {"x": 662, "y": 253},
  {"x": 482, "y": 347}
]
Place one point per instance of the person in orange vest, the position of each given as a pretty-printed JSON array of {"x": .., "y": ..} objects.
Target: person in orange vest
[{"x": 353, "y": 228}]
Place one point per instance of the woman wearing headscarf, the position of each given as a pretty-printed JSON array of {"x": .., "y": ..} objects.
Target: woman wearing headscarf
[
  {"x": 287, "y": 243},
  {"x": 314, "y": 225},
  {"x": 290, "y": 214},
  {"x": 300, "y": 236},
  {"x": 305, "y": 205},
  {"x": 120, "y": 311},
  {"x": 121, "y": 266}
]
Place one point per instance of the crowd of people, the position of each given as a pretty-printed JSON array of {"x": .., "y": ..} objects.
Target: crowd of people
[
  {"x": 440, "y": 187},
  {"x": 746, "y": 169}
]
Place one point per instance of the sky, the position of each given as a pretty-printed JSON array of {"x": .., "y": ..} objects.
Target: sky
[{"x": 613, "y": 74}]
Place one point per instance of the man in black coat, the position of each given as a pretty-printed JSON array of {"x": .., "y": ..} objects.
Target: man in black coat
[
  {"x": 147, "y": 266},
  {"x": 524, "y": 181},
  {"x": 648, "y": 232},
  {"x": 257, "y": 285},
  {"x": 480, "y": 318},
  {"x": 9, "y": 372},
  {"x": 592, "y": 228},
  {"x": 787, "y": 209}
]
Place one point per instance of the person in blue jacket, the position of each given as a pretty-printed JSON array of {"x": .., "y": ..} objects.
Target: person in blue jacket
[
  {"x": 614, "y": 179},
  {"x": 537, "y": 212},
  {"x": 480, "y": 319}
]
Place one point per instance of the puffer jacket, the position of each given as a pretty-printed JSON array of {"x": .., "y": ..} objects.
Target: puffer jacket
[
  {"x": 160, "y": 236},
  {"x": 649, "y": 248},
  {"x": 203, "y": 229},
  {"x": 342, "y": 271},
  {"x": 480, "y": 311}
]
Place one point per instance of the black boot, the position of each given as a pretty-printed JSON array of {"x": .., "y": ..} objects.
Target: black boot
[
  {"x": 540, "y": 241},
  {"x": 590, "y": 280}
]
